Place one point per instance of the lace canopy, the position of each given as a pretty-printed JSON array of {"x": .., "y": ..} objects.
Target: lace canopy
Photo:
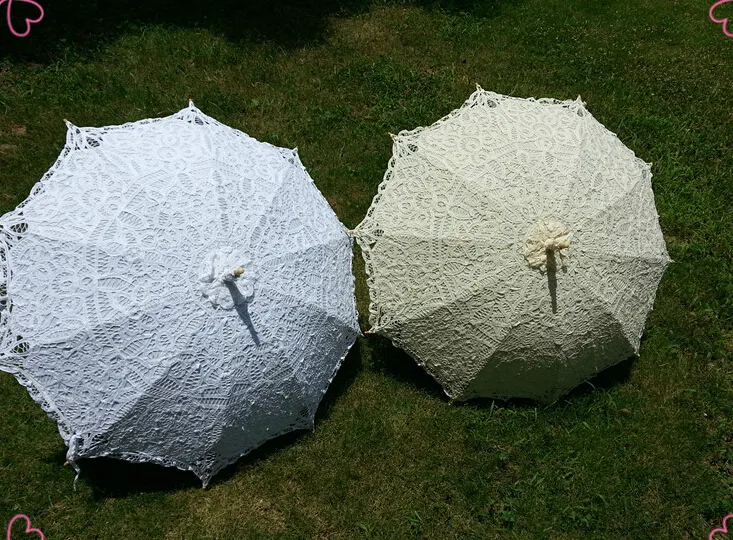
[
  {"x": 174, "y": 291},
  {"x": 513, "y": 248}
]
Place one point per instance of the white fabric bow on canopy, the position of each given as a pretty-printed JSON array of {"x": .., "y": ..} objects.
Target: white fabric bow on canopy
[
  {"x": 514, "y": 248},
  {"x": 175, "y": 291}
]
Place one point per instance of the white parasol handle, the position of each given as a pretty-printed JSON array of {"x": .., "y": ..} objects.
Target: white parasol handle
[{"x": 234, "y": 274}]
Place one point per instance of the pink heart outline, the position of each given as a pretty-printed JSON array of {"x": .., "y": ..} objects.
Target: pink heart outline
[
  {"x": 28, "y": 22},
  {"x": 724, "y": 21},
  {"x": 28, "y": 529},
  {"x": 724, "y": 530}
]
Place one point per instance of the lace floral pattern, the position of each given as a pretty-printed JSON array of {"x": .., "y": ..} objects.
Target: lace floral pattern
[
  {"x": 104, "y": 316},
  {"x": 451, "y": 248}
]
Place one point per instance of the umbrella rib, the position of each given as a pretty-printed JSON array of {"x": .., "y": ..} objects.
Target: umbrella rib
[
  {"x": 304, "y": 249},
  {"x": 126, "y": 314},
  {"x": 616, "y": 201},
  {"x": 310, "y": 304},
  {"x": 609, "y": 310},
  {"x": 271, "y": 202},
  {"x": 507, "y": 330},
  {"x": 474, "y": 239},
  {"x": 468, "y": 293},
  {"x": 615, "y": 256}
]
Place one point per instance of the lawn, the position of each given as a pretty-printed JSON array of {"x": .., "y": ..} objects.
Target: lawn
[{"x": 644, "y": 451}]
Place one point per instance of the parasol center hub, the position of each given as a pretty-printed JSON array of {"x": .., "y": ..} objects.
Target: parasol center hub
[
  {"x": 226, "y": 278},
  {"x": 547, "y": 242}
]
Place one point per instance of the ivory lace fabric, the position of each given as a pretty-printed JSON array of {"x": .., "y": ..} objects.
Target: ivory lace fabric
[
  {"x": 119, "y": 310},
  {"x": 513, "y": 248}
]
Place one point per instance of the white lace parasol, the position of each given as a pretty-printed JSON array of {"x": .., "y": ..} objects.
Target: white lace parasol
[
  {"x": 175, "y": 291},
  {"x": 514, "y": 248}
]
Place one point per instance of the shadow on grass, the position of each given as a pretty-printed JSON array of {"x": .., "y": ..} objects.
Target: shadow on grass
[
  {"x": 396, "y": 363},
  {"x": 115, "y": 478},
  {"x": 476, "y": 8},
  {"x": 605, "y": 380},
  {"x": 347, "y": 374},
  {"x": 86, "y": 24}
]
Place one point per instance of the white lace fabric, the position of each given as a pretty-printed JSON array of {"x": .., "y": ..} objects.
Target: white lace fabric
[
  {"x": 119, "y": 311},
  {"x": 513, "y": 248}
]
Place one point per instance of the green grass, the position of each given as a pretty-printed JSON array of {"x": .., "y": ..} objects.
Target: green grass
[{"x": 647, "y": 454}]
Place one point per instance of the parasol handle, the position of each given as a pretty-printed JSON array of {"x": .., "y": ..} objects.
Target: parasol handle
[
  {"x": 233, "y": 275},
  {"x": 552, "y": 244}
]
